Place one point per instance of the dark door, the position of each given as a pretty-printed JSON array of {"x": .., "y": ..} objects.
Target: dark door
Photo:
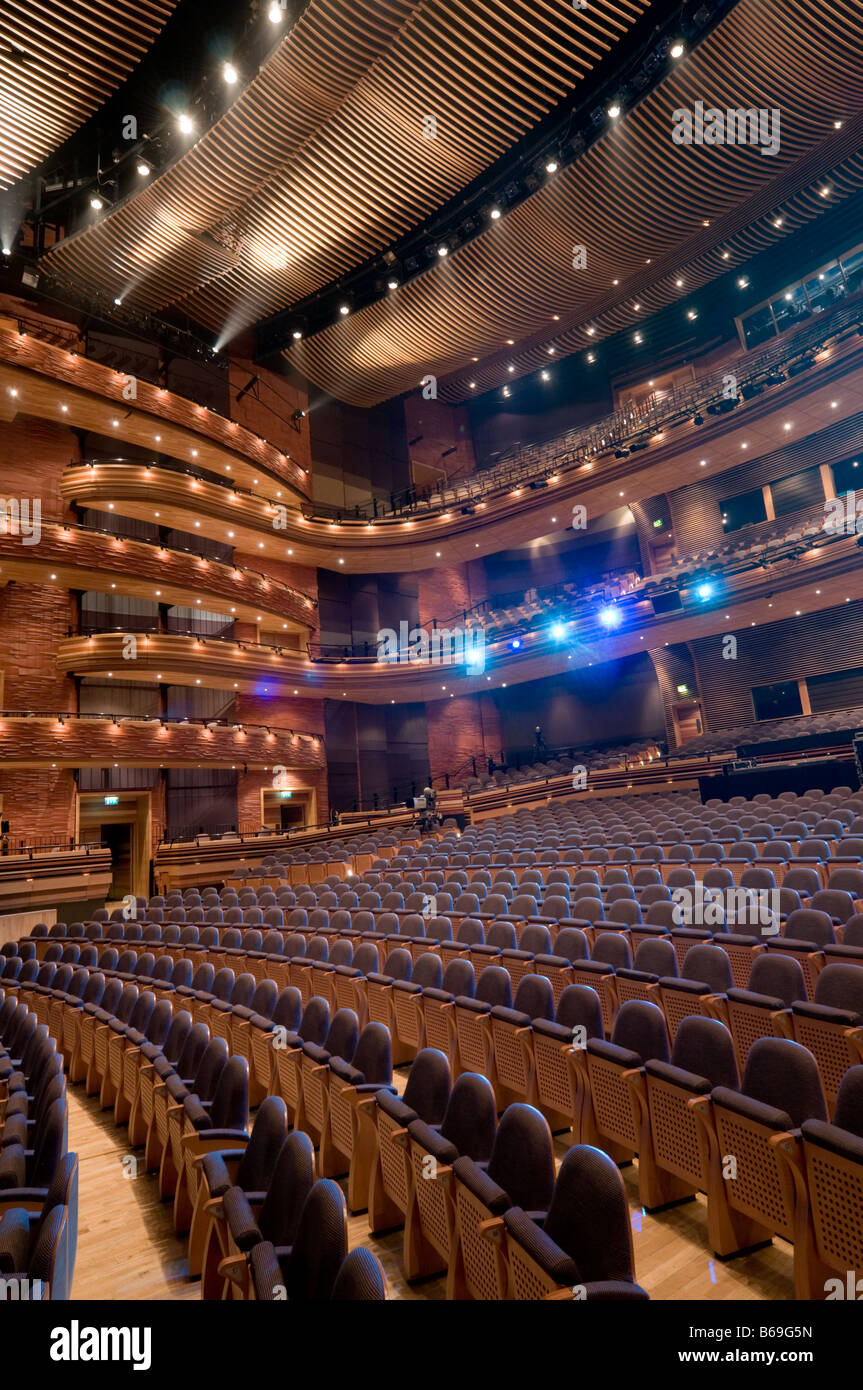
[{"x": 118, "y": 838}]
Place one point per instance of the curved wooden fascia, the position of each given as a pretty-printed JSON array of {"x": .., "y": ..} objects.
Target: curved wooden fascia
[
  {"x": 508, "y": 519},
  {"x": 270, "y": 674},
  {"x": 43, "y": 741},
  {"x": 47, "y": 378},
  {"x": 73, "y": 558}
]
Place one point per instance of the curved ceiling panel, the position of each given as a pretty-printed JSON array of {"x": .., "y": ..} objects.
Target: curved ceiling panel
[
  {"x": 649, "y": 212},
  {"x": 59, "y": 63},
  {"x": 325, "y": 158}
]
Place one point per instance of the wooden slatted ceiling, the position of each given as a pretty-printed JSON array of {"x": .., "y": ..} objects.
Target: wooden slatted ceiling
[
  {"x": 59, "y": 63},
  {"x": 637, "y": 202},
  {"x": 322, "y": 161}
]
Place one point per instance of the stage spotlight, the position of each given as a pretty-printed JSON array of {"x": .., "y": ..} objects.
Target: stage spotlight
[
  {"x": 609, "y": 616},
  {"x": 229, "y": 73},
  {"x": 185, "y": 124},
  {"x": 677, "y": 50},
  {"x": 558, "y": 631},
  {"x": 704, "y": 592},
  {"x": 515, "y": 643},
  {"x": 143, "y": 169},
  {"x": 96, "y": 204},
  {"x": 614, "y": 110}
]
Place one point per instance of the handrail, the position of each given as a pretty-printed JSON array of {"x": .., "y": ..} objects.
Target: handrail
[
  {"x": 684, "y": 575},
  {"x": 240, "y": 725},
  {"x": 536, "y": 463},
  {"x": 183, "y": 550}
]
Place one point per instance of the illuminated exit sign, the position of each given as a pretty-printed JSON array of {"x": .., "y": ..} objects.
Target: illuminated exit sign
[
  {"x": 112, "y": 800},
  {"x": 285, "y": 796}
]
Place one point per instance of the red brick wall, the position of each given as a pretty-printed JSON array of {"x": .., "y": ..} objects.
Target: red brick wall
[
  {"x": 441, "y": 427},
  {"x": 249, "y": 791},
  {"x": 38, "y": 804},
  {"x": 451, "y": 590},
  {"x": 460, "y": 729},
  {"x": 268, "y": 407}
]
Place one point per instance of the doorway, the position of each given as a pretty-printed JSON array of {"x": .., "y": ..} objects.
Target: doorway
[
  {"x": 118, "y": 838},
  {"x": 123, "y": 822}
]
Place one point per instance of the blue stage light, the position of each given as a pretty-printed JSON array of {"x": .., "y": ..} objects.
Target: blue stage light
[
  {"x": 558, "y": 631},
  {"x": 609, "y": 616},
  {"x": 515, "y": 643},
  {"x": 704, "y": 591}
]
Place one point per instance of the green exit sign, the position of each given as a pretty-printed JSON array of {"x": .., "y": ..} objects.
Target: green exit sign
[
  {"x": 286, "y": 796},
  {"x": 112, "y": 800}
]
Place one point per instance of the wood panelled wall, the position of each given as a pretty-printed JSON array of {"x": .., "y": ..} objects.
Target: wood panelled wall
[
  {"x": 695, "y": 511},
  {"x": 674, "y": 666},
  {"x": 814, "y": 643}
]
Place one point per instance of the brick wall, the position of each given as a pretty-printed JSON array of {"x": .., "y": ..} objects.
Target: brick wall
[
  {"x": 38, "y": 804},
  {"x": 267, "y": 408},
  {"x": 438, "y": 428},
  {"x": 460, "y": 728},
  {"x": 249, "y": 788},
  {"x": 449, "y": 591}
]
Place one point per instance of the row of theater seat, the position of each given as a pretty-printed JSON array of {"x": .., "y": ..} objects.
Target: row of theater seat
[
  {"x": 605, "y": 1110},
  {"x": 110, "y": 1044},
  {"x": 619, "y": 965},
  {"x": 38, "y": 1176},
  {"x": 250, "y": 1237}
]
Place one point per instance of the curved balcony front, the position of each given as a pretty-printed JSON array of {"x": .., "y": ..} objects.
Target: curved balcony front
[
  {"x": 52, "y": 383},
  {"x": 482, "y": 524},
  {"x": 820, "y": 578},
  {"x": 49, "y": 740},
  {"x": 75, "y": 557}
]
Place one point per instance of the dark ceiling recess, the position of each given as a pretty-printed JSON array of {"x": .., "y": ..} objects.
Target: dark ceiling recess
[{"x": 637, "y": 64}]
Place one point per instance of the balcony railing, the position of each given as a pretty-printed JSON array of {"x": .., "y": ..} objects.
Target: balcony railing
[{"x": 619, "y": 432}]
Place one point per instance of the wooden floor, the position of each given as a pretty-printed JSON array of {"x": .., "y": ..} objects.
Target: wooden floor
[{"x": 127, "y": 1248}]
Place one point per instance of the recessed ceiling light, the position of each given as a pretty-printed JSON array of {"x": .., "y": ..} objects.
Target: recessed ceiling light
[
  {"x": 472, "y": 385},
  {"x": 392, "y": 284},
  {"x": 344, "y": 309}
]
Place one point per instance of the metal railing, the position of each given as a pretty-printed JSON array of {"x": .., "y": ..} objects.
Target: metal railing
[
  {"x": 533, "y": 465},
  {"x": 211, "y": 722},
  {"x": 277, "y": 584}
]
